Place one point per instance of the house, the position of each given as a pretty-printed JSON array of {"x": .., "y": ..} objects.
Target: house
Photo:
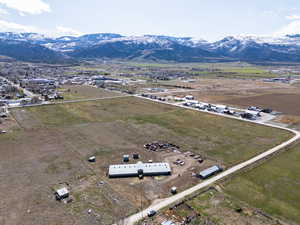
[
  {"x": 62, "y": 193},
  {"x": 139, "y": 169},
  {"x": 209, "y": 172}
]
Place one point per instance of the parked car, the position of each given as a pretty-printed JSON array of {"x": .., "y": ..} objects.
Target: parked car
[
  {"x": 267, "y": 110},
  {"x": 151, "y": 213},
  {"x": 248, "y": 116},
  {"x": 254, "y": 108}
]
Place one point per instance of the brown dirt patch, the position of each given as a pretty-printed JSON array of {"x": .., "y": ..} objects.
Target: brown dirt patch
[{"x": 286, "y": 103}]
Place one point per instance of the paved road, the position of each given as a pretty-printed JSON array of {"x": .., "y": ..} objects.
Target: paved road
[{"x": 168, "y": 201}]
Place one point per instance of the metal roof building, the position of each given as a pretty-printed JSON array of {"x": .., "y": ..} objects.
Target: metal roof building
[
  {"x": 210, "y": 171},
  {"x": 62, "y": 193},
  {"x": 169, "y": 222},
  {"x": 135, "y": 170}
]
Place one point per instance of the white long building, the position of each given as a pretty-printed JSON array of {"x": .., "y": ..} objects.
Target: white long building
[{"x": 135, "y": 170}]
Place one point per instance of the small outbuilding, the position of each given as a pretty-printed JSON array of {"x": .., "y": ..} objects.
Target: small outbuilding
[
  {"x": 174, "y": 190},
  {"x": 92, "y": 159},
  {"x": 135, "y": 156},
  {"x": 125, "y": 158},
  {"x": 62, "y": 193},
  {"x": 210, "y": 172}
]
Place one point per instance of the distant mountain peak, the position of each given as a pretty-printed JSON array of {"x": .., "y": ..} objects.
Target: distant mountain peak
[{"x": 155, "y": 47}]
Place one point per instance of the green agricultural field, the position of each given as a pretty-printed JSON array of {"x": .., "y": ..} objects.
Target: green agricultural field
[
  {"x": 76, "y": 92},
  {"x": 234, "y": 74},
  {"x": 227, "y": 140},
  {"x": 273, "y": 187},
  {"x": 158, "y": 65},
  {"x": 245, "y": 70},
  {"x": 53, "y": 142}
]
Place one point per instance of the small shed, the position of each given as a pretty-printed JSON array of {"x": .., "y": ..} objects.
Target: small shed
[
  {"x": 92, "y": 159},
  {"x": 62, "y": 193},
  {"x": 125, "y": 158},
  {"x": 209, "y": 172},
  {"x": 174, "y": 190},
  {"x": 135, "y": 156}
]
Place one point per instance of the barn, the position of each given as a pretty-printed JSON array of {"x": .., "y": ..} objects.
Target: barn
[{"x": 139, "y": 169}]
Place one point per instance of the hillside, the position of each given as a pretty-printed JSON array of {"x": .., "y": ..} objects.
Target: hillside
[{"x": 40, "y": 48}]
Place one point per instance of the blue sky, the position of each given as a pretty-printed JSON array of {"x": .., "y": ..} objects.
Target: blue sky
[{"x": 207, "y": 19}]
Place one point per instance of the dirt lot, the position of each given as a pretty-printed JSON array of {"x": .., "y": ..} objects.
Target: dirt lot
[
  {"x": 220, "y": 90},
  {"x": 52, "y": 144},
  {"x": 285, "y": 103},
  {"x": 233, "y": 85}
]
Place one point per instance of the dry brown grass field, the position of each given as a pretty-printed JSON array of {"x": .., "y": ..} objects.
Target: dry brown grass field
[{"x": 50, "y": 145}]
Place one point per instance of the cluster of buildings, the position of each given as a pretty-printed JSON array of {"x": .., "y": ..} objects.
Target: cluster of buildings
[
  {"x": 252, "y": 113},
  {"x": 279, "y": 80},
  {"x": 8, "y": 91},
  {"x": 154, "y": 97},
  {"x": 40, "y": 86}
]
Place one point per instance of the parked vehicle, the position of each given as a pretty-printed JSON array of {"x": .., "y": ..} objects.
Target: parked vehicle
[
  {"x": 151, "y": 213},
  {"x": 254, "y": 108},
  {"x": 267, "y": 110}
]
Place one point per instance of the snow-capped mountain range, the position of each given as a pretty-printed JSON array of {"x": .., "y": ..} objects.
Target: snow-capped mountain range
[{"x": 150, "y": 47}]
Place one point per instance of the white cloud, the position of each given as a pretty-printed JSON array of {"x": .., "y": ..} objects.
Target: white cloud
[
  {"x": 6, "y": 26},
  {"x": 3, "y": 12},
  {"x": 292, "y": 17},
  {"x": 292, "y": 28},
  {"x": 270, "y": 13},
  {"x": 27, "y": 6},
  {"x": 21, "y": 14}
]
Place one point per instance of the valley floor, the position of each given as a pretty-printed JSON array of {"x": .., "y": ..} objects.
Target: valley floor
[{"x": 48, "y": 146}]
